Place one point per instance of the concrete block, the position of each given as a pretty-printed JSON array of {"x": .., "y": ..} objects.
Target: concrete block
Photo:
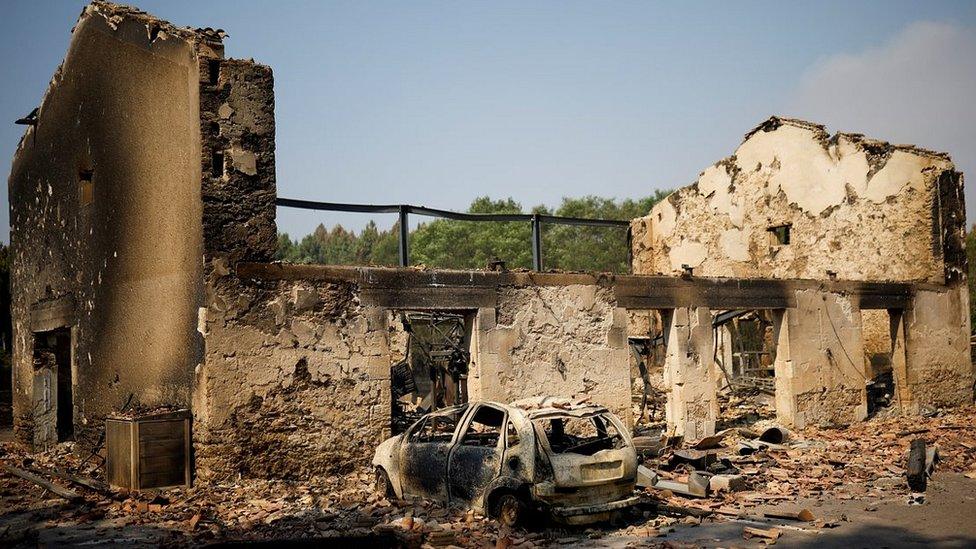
[{"x": 727, "y": 483}]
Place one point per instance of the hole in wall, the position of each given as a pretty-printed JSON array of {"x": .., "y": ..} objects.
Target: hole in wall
[
  {"x": 646, "y": 341},
  {"x": 779, "y": 235},
  {"x": 217, "y": 164},
  {"x": 878, "y": 328},
  {"x": 745, "y": 354},
  {"x": 86, "y": 187},
  {"x": 54, "y": 402},
  {"x": 213, "y": 71},
  {"x": 434, "y": 372}
]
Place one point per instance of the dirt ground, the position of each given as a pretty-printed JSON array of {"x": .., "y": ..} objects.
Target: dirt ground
[{"x": 851, "y": 479}]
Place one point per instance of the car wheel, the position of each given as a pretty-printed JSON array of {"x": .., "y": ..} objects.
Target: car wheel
[
  {"x": 509, "y": 509},
  {"x": 382, "y": 484}
]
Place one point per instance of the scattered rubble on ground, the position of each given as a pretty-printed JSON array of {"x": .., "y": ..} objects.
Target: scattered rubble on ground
[{"x": 865, "y": 461}]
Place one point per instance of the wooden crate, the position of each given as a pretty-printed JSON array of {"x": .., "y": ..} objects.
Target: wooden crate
[{"x": 151, "y": 451}]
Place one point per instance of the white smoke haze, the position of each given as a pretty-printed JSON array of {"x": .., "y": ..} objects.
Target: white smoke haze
[{"x": 918, "y": 88}]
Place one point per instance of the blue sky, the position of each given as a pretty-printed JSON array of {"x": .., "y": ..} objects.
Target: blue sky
[{"x": 436, "y": 103}]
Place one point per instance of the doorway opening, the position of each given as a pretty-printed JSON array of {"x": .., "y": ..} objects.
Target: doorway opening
[
  {"x": 647, "y": 344},
  {"x": 54, "y": 401},
  {"x": 434, "y": 374},
  {"x": 879, "y": 329},
  {"x": 745, "y": 354}
]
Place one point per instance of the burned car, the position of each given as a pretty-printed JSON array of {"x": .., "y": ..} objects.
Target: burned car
[{"x": 575, "y": 462}]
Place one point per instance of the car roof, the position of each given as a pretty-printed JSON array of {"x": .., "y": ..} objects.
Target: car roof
[
  {"x": 534, "y": 408},
  {"x": 546, "y": 407}
]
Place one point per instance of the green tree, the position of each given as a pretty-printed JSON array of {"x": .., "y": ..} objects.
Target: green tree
[
  {"x": 454, "y": 244},
  {"x": 445, "y": 243},
  {"x": 575, "y": 248}
]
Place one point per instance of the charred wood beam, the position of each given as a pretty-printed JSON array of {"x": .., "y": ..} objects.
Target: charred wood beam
[
  {"x": 446, "y": 288},
  {"x": 61, "y": 491}
]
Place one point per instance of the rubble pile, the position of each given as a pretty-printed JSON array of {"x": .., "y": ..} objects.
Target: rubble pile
[
  {"x": 320, "y": 508},
  {"x": 736, "y": 474},
  {"x": 732, "y": 476}
]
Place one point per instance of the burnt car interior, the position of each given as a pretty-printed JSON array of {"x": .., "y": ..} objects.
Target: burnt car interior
[
  {"x": 585, "y": 436},
  {"x": 485, "y": 427},
  {"x": 439, "y": 427}
]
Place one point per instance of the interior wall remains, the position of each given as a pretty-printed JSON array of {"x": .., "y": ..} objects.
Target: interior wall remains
[
  {"x": 568, "y": 341},
  {"x": 855, "y": 208}
]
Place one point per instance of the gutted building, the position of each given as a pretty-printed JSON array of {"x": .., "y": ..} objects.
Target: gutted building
[
  {"x": 143, "y": 232},
  {"x": 794, "y": 202}
]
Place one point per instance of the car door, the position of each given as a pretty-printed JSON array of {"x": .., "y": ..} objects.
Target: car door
[
  {"x": 477, "y": 456},
  {"x": 425, "y": 451}
]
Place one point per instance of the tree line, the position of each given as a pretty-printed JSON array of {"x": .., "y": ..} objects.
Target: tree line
[{"x": 447, "y": 243}]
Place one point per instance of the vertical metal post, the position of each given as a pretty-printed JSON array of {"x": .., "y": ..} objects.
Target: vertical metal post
[
  {"x": 630, "y": 251},
  {"x": 536, "y": 243},
  {"x": 404, "y": 233}
]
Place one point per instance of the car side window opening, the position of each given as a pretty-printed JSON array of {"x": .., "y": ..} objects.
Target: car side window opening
[
  {"x": 485, "y": 428},
  {"x": 435, "y": 428},
  {"x": 585, "y": 436}
]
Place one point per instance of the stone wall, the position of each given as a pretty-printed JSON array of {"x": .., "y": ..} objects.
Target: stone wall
[
  {"x": 939, "y": 369},
  {"x": 820, "y": 371},
  {"x": 794, "y": 202},
  {"x": 295, "y": 381},
  {"x": 106, "y": 217},
  {"x": 238, "y": 160},
  {"x": 855, "y": 207},
  {"x": 545, "y": 340}
]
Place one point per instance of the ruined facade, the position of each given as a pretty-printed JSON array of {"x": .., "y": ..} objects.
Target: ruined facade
[
  {"x": 794, "y": 202},
  {"x": 106, "y": 223},
  {"x": 143, "y": 233}
]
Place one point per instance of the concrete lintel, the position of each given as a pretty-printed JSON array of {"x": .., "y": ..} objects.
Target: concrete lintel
[{"x": 50, "y": 315}]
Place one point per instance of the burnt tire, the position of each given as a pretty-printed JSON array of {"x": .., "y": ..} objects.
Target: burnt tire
[
  {"x": 382, "y": 484},
  {"x": 508, "y": 509}
]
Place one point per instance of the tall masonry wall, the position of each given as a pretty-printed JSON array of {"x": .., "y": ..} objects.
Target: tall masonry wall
[
  {"x": 794, "y": 202},
  {"x": 106, "y": 223},
  {"x": 856, "y": 208}
]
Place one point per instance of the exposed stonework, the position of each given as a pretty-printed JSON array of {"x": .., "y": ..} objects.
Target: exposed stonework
[
  {"x": 238, "y": 161},
  {"x": 146, "y": 242},
  {"x": 120, "y": 264},
  {"x": 295, "y": 382},
  {"x": 569, "y": 340},
  {"x": 862, "y": 209},
  {"x": 689, "y": 375},
  {"x": 939, "y": 369},
  {"x": 795, "y": 202},
  {"x": 820, "y": 371}
]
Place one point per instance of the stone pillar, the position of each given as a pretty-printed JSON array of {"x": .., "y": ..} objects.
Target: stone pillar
[
  {"x": 483, "y": 375},
  {"x": 939, "y": 370},
  {"x": 899, "y": 361},
  {"x": 820, "y": 377},
  {"x": 692, "y": 406},
  {"x": 783, "y": 369}
]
